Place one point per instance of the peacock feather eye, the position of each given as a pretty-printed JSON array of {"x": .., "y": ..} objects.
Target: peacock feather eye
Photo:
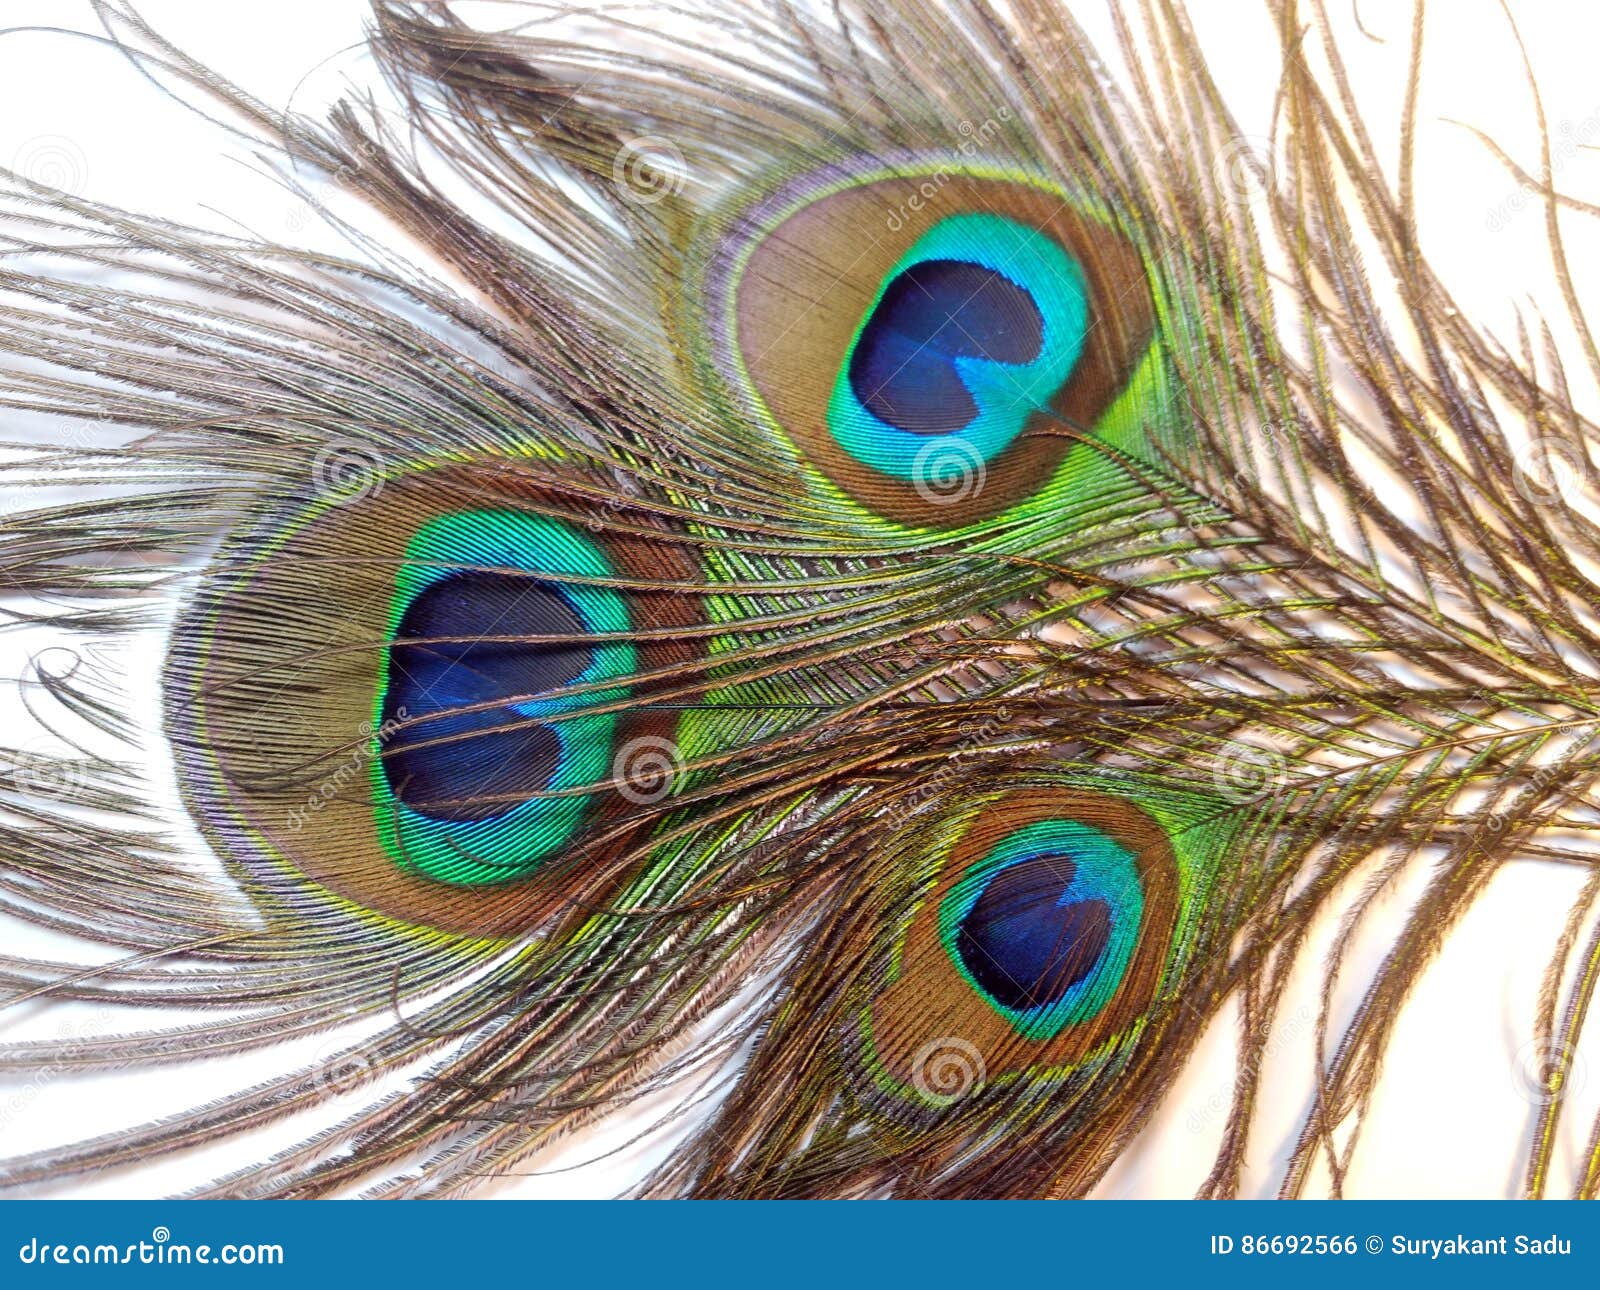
[
  {"x": 1052, "y": 920},
  {"x": 491, "y": 669},
  {"x": 973, "y": 330},
  {"x": 443, "y": 730},
  {"x": 1045, "y": 924},
  {"x": 932, "y": 341}
]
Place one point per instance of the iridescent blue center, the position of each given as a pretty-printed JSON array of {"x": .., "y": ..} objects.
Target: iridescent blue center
[
  {"x": 1044, "y": 925},
  {"x": 1028, "y": 940},
  {"x": 903, "y": 366},
  {"x": 502, "y": 644},
  {"x": 974, "y": 330},
  {"x": 476, "y": 762}
]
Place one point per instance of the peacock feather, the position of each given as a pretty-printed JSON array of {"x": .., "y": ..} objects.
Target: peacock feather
[{"x": 887, "y": 597}]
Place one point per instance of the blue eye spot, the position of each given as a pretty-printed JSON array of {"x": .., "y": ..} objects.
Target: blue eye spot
[
  {"x": 1027, "y": 941},
  {"x": 934, "y": 312},
  {"x": 476, "y": 764},
  {"x": 1044, "y": 925},
  {"x": 486, "y": 795},
  {"x": 974, "y": 330}
]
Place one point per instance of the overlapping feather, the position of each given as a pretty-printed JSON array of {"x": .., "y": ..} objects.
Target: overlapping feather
[{"x": 1211, "y": 624}]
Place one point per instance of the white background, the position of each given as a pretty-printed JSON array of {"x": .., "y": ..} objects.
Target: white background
[{"x": 1451, "y": 1117}]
